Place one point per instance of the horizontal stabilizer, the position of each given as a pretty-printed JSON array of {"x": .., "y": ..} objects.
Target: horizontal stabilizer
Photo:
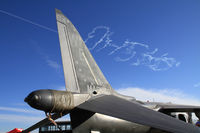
[{"x": 116, "y": 107}]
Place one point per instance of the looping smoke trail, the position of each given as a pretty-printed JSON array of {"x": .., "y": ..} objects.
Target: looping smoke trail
[
  {"x": 126, "y": 52},
  {"x": 92, "y": 34},
  {"x": 28, "y": 21}
]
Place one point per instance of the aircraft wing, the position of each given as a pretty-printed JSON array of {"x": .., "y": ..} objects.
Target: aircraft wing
[{"x": 131, "y": 111}]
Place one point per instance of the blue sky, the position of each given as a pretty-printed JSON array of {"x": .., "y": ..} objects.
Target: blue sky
[{"x": 148, "y": 49}]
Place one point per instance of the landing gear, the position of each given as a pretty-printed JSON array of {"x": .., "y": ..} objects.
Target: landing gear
[{"x": 48, "y": 115}]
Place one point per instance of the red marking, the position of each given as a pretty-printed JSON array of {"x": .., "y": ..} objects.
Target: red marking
[{"x": 16, "y": 130}]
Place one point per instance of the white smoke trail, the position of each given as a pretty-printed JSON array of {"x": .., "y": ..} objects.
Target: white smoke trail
[
  {"x": 127, "y": 51},
  {"x": 92, "y": 34},
  {"x": 156, "y": 63}
]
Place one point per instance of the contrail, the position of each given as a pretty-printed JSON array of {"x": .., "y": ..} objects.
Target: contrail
[{"x": 28, "y": 21}]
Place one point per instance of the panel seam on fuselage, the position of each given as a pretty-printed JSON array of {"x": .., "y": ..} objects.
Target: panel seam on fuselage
[{"x": 90, "y": 68}]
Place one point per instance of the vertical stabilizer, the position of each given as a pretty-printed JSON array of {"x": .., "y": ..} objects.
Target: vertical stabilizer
[{"x": 81, "y": 72}]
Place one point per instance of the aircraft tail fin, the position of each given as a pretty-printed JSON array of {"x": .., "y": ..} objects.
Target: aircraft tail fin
[{"x": 81, "y": 72}]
